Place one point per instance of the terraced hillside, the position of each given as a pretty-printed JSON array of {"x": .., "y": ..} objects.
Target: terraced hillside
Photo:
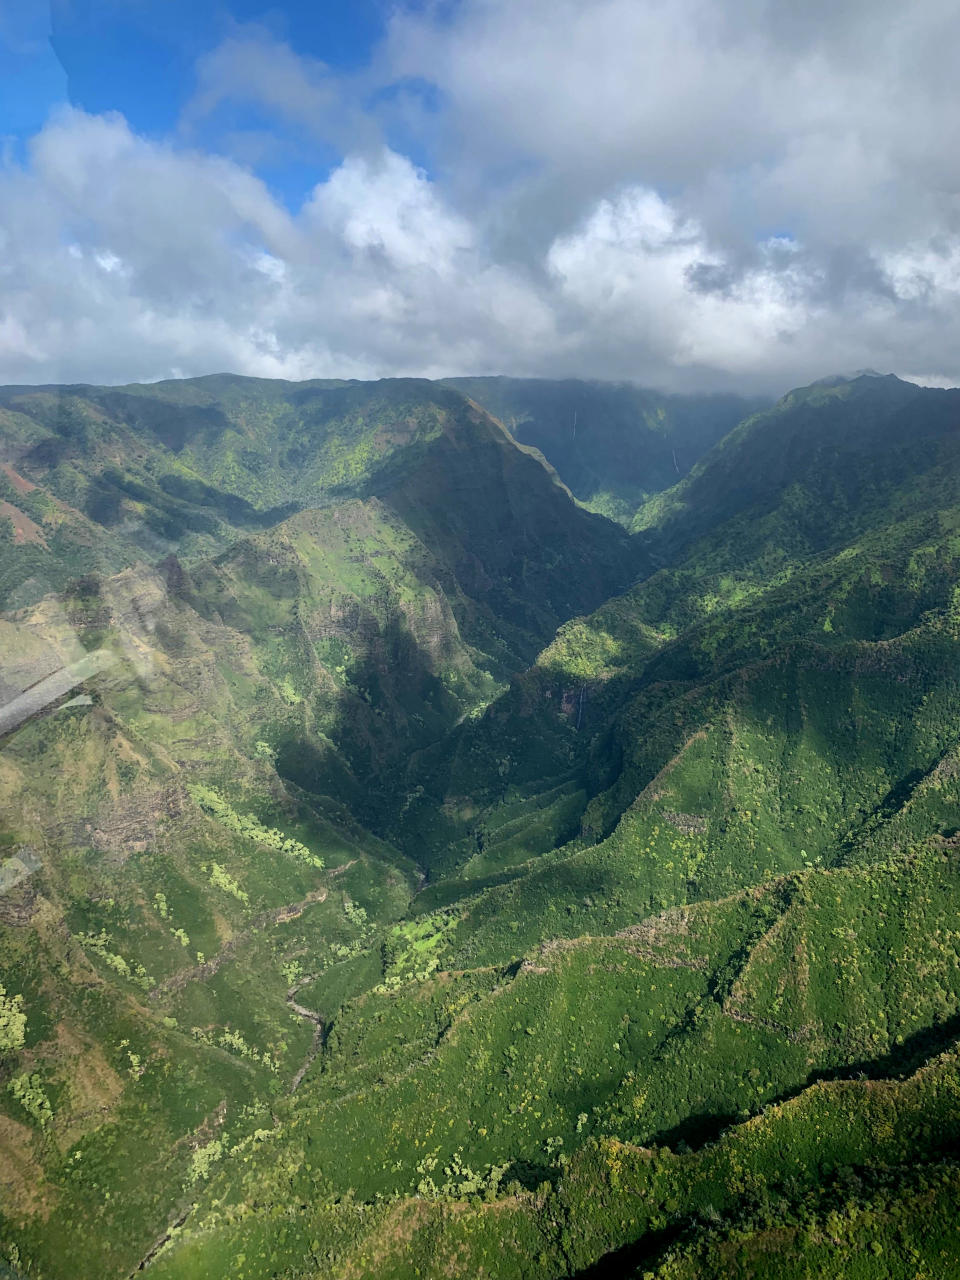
[{"x": 340, "y": 941}]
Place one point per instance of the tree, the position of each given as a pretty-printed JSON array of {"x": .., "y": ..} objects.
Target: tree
[{"x": 13, "y": 1021}]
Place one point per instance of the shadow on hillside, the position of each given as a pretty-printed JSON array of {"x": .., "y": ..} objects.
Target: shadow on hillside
[
  {"x": 626, "y": 1261},
  {"x": 393, "y": 705},
  {"x": 695, "y": 1131},
  {"x": 698, "y": 1131},
  {"x": 902, "y": 1061}
]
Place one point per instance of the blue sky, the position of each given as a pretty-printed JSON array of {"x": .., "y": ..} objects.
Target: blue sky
[
  {"x": 541, "y": 187},
  {"x": 139, "y": 57}
]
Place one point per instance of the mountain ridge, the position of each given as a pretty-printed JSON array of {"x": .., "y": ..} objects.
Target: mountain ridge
[{"x": 441, "y": 879}]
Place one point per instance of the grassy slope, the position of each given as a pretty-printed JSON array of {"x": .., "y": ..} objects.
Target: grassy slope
[{"x": 614, "y": 1193}]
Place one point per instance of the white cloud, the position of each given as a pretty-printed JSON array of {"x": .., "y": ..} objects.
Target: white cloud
[
  {"x": 386, "y": 208},
  {"x": 251, "y": 66},
  {"x": 760, "y": 114},
  {"x": 305, "y": 106},
  {"x": 688, "y": 193},
  {"x": 128, "y": 258},
  {"x": 636, "y": 269}
]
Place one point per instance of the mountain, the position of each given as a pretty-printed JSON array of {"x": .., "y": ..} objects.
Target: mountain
[
  {"x": 436, "y": 879},
  {"x": 614, "y": 444},
  {"x": 97, "y": 477}
]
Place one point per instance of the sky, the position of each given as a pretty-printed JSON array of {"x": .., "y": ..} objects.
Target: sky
[{"x": 690, "y": 194}]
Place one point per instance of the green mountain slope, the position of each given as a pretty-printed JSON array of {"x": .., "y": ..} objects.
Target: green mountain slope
[
  {"x": 169, "y": 839},
  {"x": 823, "y": 463},
  {"x": 671, "y": 993},
  {"x": 123, "y": 474},
  {"x": 613, "y": 444},
  {"x": 804, "y": 563},
  {"x": 642, "y": 960}
]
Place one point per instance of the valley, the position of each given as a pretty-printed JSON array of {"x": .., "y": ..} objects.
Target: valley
[{"x": 434, "y": 843}]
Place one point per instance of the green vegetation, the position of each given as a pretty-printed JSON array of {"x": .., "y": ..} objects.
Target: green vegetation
[
  {"x": 28, "y": 1091},
  {"x": 614, "y": 445},
  {"x": 246, "y": 825},
  {"x": 12, "y": 1022},
  {"x": 406, "y": 903}
]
